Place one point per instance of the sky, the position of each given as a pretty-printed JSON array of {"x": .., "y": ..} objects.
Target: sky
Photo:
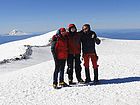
[{"x": 47, "y": 15}]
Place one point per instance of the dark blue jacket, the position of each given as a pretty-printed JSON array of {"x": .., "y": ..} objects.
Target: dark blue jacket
[{"x": 88, "y": 41}]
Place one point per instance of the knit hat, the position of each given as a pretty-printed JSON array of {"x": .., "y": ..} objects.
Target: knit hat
[
  {"x": 62, "y": 30},
  {"x": 71, "y": 25},
  {"x": 70, "y": 28}
]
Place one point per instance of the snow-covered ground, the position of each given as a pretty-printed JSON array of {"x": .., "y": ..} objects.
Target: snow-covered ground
[
  {"x": 39, "y": 55},
  {"x": 17, "y": 48},
  {"x": 119, "y": 73}
]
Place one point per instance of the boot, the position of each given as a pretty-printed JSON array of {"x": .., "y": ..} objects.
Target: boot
[
  {"x": 71, "y": 82},
  {"x": 78, "y": 76},
  {"x": 81, "y": 81},
  {"x": 63, "y": 84},
  {"x": 87, "y": 72},
  {"x": 96, "y": 75},
  {"x": 54, "y": 85}
]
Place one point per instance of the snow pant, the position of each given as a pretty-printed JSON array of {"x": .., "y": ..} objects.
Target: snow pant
[
  {"x": 59, "y": 68},
  {"x": 94, "y": 59},
  {"x": 71, "y": 61}
]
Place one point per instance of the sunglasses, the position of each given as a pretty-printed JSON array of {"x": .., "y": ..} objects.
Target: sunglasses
[{"x": 85, "y": 28}]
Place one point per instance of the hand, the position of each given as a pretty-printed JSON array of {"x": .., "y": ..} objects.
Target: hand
[
  {"x": 97, "y": 57},
  {"x": 55, "y": 58},
  {"x": 98, "y": 41}
]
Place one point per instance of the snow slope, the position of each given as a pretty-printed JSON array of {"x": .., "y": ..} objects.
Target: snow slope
[
  {"x": 39, "y": 55},
  {"x": 17, "y": 48},
  {"x": 119, "y": 73}
]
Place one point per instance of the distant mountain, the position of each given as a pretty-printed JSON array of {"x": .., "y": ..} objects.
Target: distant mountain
[{"x": 17, "y": 32}]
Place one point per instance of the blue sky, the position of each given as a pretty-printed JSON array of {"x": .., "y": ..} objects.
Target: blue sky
[{"x": 46, "y": 15}]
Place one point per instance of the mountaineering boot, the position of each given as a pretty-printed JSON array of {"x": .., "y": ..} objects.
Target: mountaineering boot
[
  {"x": 87, "y": 72},
  {"x": 71, "y": 82},
  {"x": 63, "y": 84},
  {"x": 81, "y": 81},
  {"x": 96, "y": 81},
  {"x": 55, "y": 85}
]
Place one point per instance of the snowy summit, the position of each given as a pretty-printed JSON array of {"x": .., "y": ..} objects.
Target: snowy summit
[
  {"x": 29, "y": 82},
  {"x": 17, "y": 32}
]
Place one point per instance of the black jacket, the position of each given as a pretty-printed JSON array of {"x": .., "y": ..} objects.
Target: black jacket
[{"x": 88, "y": 41}]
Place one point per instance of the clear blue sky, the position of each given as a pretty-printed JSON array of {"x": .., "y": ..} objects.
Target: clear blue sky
[{"x": 45, "y": 15}]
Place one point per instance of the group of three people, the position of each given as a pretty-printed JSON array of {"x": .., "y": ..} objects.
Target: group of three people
[{"x": 66, "y": 46}]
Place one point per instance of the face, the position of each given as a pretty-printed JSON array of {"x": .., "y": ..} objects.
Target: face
[
  {"x": 63, "y": 33},
  {"x": 73, "y": 29},
  {"x": 85, "y": 29}
]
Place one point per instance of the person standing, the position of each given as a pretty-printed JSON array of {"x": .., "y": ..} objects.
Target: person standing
[
  {"x": 74, "y": 51},
  {"x": 59, "y": 49},
  {"x": 88, "y": 40}
]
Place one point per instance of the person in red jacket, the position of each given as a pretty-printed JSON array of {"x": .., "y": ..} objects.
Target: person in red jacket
[
  {"x": 74, "y": 50},
  {"x": 59, "y": 48}
]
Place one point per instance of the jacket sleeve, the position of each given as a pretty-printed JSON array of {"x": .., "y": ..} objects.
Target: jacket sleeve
[
  {"x": 97, "y": 40},
  {"x": 53, "y": 44}
]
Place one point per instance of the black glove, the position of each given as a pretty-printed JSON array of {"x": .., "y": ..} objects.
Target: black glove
[
  {"x": 97, "y": 57},
  {"x": 97, "y": 41},
  {"x": 54, "y": 56}
]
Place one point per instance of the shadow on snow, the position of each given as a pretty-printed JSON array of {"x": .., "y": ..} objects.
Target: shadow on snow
[{"x": 120, "y": 80}]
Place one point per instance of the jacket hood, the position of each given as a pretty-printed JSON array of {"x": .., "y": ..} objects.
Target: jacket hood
[
  {"x": 58, "y": 33},
  {"x": 71, "y": 26}
]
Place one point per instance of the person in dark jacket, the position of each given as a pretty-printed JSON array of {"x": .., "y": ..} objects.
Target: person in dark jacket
[
  {"x": 74, "y": 50},
  {"x": 59, "y": 49},
  {"x": 88, "y": 40}
]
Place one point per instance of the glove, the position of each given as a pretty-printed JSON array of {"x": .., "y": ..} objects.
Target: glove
[
  {"x": 54, "y": 56},
  {"x": 97, "y": 41},
  {"x": 97, "y": 57}
]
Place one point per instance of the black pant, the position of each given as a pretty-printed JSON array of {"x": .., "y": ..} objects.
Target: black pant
[
  {"x": 74, "y": 59},
  {"x": 59, "y": 67}
]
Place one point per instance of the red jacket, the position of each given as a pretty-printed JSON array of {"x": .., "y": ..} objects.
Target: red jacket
[
  {"x": 74, "y": 45},
  {"x": 61, "y": 48}
]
